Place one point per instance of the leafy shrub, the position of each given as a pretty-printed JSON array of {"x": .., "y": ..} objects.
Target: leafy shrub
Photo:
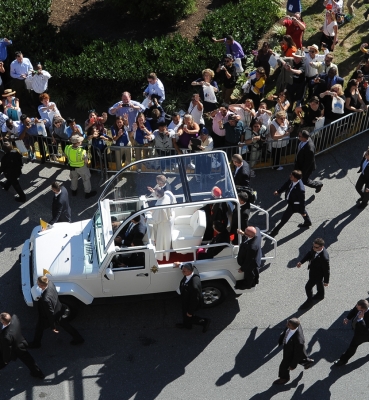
[{"x": 163, "y": 10}]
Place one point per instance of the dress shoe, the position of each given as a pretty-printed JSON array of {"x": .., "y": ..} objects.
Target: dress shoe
[
  {"x": 20, "y": 199},
  {"x": 339, "y": 363},
  {"x": 76, "y": 342},
  {"x": 33, "y": 345},
  {"x": 39, "y": 375},
  {"x": 91, "y": 194},
  {"x": 206, "y": 325},
  {"x": 362, "y": 205},
  {"x": 309, "y": 364},
  {"x": 308, "y": 303},
  {"x": 319, "y": 188},
  {"x": 304, "y": 225},
  {"x": 280, "y": 381},
  {"x": 74, "y": 192}
]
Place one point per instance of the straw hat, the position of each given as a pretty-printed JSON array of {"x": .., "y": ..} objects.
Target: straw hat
[
  {"x": 76, "y": 139},
  {"x": 9, "y": 92},
  {"x": 315, "y": 47}
]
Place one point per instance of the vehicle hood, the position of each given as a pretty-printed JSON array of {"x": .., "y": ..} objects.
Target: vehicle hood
[{"x": 60, "y": 250}]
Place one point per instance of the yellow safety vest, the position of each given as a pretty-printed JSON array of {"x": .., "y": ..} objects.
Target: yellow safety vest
[{"x": 76, "y": 156}]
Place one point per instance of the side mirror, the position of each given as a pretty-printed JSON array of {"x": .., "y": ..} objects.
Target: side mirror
[{"x": 109, "y": 274}]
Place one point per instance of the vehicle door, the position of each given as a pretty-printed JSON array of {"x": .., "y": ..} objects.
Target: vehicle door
[{"x": 127, "y": 273}]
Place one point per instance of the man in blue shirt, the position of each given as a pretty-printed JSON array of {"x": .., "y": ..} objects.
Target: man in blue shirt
[
  {"x": 232, "y": 47},
  {"x": 4, "y": 43},
  {"x": 20, "y": 68},
  {"x": 127, "y": 106}
]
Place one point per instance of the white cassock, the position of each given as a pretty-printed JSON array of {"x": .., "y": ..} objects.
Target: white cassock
[{"x": 162, "y": 227}]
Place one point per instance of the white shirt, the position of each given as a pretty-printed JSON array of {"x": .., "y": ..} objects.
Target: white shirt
[
  {"x": 309, "y": 70},
  {"x": 189, "y": 277},
  {"x": 293, "y": 185},
  {"x": 39, "y": 82},
  {"x": 196, "y": 113},
  {"x": 289, "y": 335},
  {"x": 174, "y": 126}
]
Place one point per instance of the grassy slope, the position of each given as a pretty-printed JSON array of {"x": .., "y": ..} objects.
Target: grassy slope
[{"x": 347, "y": 53}]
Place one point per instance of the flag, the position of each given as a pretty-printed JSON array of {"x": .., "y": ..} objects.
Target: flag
[
  {"x": 44, "y": 224},
  {"x": 45, "y": 272}
]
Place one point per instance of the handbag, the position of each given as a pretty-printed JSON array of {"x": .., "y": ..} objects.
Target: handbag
[
  {"x": 209, "y": 94},
  {"x": 237, "y": 63},
  {"x": 319, "y": 123},
  {"x": 41, "y": 130},
  {"x": 20, "y": 146},
  {"x": 338, "y": 105}
]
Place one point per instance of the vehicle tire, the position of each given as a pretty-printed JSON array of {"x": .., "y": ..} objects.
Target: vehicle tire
[
  {"x": 70, "y": 305},
  {"x": 213, "y": 293}
]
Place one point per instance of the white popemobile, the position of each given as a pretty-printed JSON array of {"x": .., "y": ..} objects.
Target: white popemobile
[{"x": 80, "y": 258}]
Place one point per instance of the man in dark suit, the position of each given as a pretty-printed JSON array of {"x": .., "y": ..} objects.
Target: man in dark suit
[
  {"x": 191, "y": 296},
  {"x": 325, "y": 81},
  {"x": 241, "y": 175},
  {"x": 245, "y": 206},
  {"x": 132, "y": 233},
  {"x": 305, "y": 161},
  {"x": 295, "y": 195},
  {"x": 249, "y": 258},
  {"x": 13, "y": 345},
  {"x": 294, "y": 351},
  {"x": 362, "y": 184},
  {"x": 222, "y": 236},
  {"x": 11, "y": 166},
  {"x": 359, "y": 316},
  {"x": 319, "y": 271},
  {"x": 60, "y": 207},
  {"x": 51, "y": 314}
]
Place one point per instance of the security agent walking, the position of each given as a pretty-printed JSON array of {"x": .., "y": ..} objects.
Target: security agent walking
[
  {"x": 13, "y": 345},
  {"x": 295, "y": 195},
  {"x": 305, "y": 161},
  {"x": 11, "y": 166},
  {"x": 362, "y": 184},
  {"x": 60, "y": 206},
  {"x": 319, "y": 271},
  {"x": 51, "y": 314},
  {"x": 294, "y": 351},
  {"x": 77, "y": 159},
  {"x": 191, "y": 296},
  {"x": 359, "y": 316}
]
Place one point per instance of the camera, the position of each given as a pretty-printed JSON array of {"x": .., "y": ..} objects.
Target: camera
[{"x": 125, "y": 105}]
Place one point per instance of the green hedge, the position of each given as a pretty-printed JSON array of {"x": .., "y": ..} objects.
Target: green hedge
[{"x": 161, "y": 10}]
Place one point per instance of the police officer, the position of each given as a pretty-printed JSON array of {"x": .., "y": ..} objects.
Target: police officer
[{"x": 77, "y": 159}]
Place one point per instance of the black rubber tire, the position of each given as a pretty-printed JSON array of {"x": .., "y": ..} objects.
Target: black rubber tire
[
  {"x": 214, "y": 293},
  {"x": 71, "y": 305}
]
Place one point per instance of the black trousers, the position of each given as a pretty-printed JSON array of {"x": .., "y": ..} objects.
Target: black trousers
[
  {"x": 287, "y": 215},
  {"x": 284, "y": 372},
  {"x": 27, "y": 360},
  {"x": 43, "y": 324},
  {"x": 309, "y": 287},
  {"x": 355, "y": 343},
  {"x": 17, "y": 187},
  {"x": 359, "y": 187},
  {"x": 309, "y": 182},
  {"x": 219, "y": 141},
  {"x": 194, "y": 320}
]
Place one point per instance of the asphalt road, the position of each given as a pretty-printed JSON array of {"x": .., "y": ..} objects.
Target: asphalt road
[{"x": 133, "y": 351}]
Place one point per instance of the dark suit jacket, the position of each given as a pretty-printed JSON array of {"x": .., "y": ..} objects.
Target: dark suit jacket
[
  {"x": 318, "y": 266},
  {"x": 12, "y": 341},
  {"x": 362, "y": 327},
  {"x": 366, "y": 173},
  {"x": 222, "y": 237},
  {"x": 242, "y": 177},
  {"x": 11, "y": 165},
  {"x": 294, "y": 350},
  {"x": 244, "y": 214},
  {"x": 305, "y": 158},
  {"x": 49, "y": 307},
  {"x": 249, "y": 259},
  {"x": 191, "y": 293},
  {"x": 297, "y": 195},
  {"x": 322, "y": 86},
  {"x": 135, "y": 235},
  {"x": 60, "y": 207}
]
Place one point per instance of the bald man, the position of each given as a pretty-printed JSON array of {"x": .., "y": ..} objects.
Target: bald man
[{"x": 249, "y": 257}]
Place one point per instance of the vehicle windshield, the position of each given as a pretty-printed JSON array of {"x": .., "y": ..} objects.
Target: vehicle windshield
[{"x": 137, "y": 187}]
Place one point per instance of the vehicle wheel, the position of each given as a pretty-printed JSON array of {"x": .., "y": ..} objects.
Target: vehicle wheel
[
  {"x": 213, "y": 293},
  {"x": 70, "y": 305}
]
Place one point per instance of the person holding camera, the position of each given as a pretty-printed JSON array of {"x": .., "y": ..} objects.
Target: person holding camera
[
  {"x": 256, "y": 142},
  {"x": 40, "y": 80},
  {"x": 120, "y": 135},
  {"x": 295, "y": 27},
  {"x": 95, "y": 120},
  {"x": 20, "y": 68},
  {"x": 29, "y": 134},
  {"x": 227, "y": 71},
  {"x": 155, "y": 87},
  {"x": 127, "y": 106},
  {"x": 165, "y": 143}
]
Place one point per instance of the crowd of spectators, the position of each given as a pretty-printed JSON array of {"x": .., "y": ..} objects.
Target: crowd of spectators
[{"x": 307, "y": 89}]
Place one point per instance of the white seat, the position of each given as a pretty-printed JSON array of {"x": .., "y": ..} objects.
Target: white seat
[{"x": 188, "y": 232}]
